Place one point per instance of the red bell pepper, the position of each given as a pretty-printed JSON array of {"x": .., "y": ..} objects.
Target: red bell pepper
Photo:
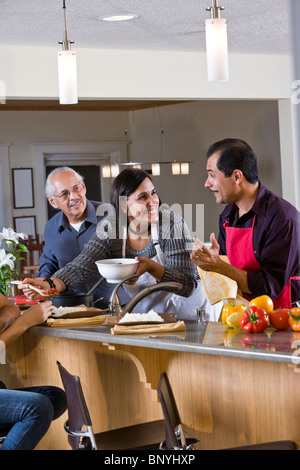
[{"x": 254, "y": 320}]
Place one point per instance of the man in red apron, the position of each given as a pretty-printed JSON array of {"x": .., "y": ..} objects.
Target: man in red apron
[{"x": 259, "y": 231}]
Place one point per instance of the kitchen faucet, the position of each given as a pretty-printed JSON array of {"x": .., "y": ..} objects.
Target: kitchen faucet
[{"x": 115, "y": 307}]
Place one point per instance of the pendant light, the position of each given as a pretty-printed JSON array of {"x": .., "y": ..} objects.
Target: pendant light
[
  {"x": 67, "y": 72},
  {"x": 216, "y": 44}
]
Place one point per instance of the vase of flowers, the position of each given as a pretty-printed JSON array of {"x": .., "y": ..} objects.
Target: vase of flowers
[{"x": 10, "y": 252}]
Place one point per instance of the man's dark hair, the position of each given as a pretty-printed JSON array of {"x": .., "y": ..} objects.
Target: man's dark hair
[{"x": 235, "y": 154}]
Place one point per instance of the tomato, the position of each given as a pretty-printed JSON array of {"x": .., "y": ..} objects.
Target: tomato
[
  {"x": 263, "y": 301},
  {"x": 279, "y": 319}
]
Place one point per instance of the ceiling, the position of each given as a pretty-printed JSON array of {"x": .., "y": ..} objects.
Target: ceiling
[{"x": 254, "y": 26}]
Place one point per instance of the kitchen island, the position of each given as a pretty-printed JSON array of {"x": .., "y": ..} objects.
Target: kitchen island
[{"x": 231, "y": 388}]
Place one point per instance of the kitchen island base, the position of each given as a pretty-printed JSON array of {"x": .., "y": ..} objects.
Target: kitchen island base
[{"x": 223, "y": 401}]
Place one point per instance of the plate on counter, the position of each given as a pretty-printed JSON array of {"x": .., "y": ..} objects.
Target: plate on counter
[{"x": 115, "y": 320}]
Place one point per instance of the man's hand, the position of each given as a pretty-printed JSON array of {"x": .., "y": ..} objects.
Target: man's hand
[{"x": 207, "y": 258}]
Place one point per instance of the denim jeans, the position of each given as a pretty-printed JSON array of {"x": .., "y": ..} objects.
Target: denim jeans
[{"x": 30, "y": 412}]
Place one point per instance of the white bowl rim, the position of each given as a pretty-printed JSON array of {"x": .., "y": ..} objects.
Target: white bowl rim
[{"x": 116, "y": 261}]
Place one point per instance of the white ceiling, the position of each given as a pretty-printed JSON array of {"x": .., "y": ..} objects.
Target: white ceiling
[{"x": 254, "y": 26}]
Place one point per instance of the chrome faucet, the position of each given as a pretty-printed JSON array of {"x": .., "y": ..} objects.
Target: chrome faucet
[{"x": 115, "y": 307}]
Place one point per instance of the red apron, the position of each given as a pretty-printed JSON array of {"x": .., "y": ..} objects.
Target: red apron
[{"x": 239, "y": 248}]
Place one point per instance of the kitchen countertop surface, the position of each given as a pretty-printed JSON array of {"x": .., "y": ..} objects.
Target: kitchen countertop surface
[{"x": 210, "y": 338}]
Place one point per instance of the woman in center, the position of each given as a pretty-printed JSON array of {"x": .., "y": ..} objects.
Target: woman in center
[{"x": 158, "y": 238}]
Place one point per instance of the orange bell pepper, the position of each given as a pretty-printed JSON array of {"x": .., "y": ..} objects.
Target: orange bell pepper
[{"x": 294, "y": 319}]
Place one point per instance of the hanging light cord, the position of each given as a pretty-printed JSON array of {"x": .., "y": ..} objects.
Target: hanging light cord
[{"x": 66, "y": 43}]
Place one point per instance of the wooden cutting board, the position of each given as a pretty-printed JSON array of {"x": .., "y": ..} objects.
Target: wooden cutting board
[{"x": 80, "y": 311}]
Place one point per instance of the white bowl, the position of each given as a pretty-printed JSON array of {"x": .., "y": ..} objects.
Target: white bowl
[{"x": 116, "y": 270}]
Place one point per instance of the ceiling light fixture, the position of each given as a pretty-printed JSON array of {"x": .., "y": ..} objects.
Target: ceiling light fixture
[
  {"x": 110, "y": 171},
  {"x": 216, "y": 44},
  {"x": 67, "y": 72},
  {"x": 118, "y": 17},
  {"x": 180, "y": 168}
]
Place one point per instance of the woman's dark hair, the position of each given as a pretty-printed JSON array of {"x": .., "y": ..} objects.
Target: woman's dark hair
[
  {"x": 125, "y": 184},
  {"x": 235, "y": 154}
]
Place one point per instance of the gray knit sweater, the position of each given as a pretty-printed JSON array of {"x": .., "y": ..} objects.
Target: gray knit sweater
[{"x": 174, "y": 240}]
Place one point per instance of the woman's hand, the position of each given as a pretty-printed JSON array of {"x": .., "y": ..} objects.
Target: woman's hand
[
  {"x": 37, "y": 314},
  {"x": 33, "y": 316},
  {"x": 150, "y": 266}
]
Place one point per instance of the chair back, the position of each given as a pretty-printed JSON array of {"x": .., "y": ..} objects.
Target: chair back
[
  {"x": 78, "y": 414},
  {"x": 174, "y": 438},
  {"x": 31, "y": 262}
]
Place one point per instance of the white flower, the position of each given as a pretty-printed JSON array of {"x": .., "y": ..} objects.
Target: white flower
[
  {"x": 6, "y": 259},
  {"x": 10, "y": 234}
]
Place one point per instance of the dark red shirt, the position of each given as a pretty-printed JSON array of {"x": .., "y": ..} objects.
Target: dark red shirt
[{"x": 275, "y": 242}]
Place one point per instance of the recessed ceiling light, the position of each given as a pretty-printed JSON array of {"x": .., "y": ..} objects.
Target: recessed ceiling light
[{"x": 118, "y": 17}]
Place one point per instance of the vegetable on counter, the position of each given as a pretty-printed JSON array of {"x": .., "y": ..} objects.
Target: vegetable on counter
[
  {"x": 263, "y": 301},
  {"x": 279, "y": 318},
  {"x": 254, "y": 320},
  {"x": 229, "y": 310},
  {"x": 294, "y": 318}
]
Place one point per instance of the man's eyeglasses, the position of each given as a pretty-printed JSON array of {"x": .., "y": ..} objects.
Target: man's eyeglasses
[{"x": 66, "y": 193}]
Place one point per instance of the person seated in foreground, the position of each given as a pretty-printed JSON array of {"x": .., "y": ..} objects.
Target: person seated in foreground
[{"x": 27, "y": 412}]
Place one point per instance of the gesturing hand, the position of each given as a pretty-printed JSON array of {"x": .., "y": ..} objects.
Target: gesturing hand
[{"x": 207, "y": 258}]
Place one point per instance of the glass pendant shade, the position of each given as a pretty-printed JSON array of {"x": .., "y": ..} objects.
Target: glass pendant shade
[
  {"x": 155, "y": 167},
  {"x": 175, "y": 168},
  {"x": 216, "y": 49},
  {"x": 67, "y": 77},
  {"x": 184, "y": 168},
  {"x": 106, "y": 171},
  {"x": 114, "y": 170}
]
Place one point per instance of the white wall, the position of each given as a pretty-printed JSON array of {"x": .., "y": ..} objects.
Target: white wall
[{"x": 104, "y": 74}]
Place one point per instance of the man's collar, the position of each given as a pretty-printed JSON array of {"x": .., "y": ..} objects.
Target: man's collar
[
  {"x": 259, "y": 206},
  {"x": 91, "y": 217},
  {"x": 90, "y": 213}
]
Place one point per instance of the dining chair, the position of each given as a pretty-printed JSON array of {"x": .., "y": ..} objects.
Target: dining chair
[
  {"x": 79, "y": 427},
  {"x": 30, "y": 265},
  {"x": 175, "y": 436}
]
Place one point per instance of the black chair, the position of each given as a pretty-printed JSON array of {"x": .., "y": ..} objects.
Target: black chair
[
  {"x": 175, "y": 437},
  {"x": 146, "y": 436},
  {"x": 4, "y": 430}
]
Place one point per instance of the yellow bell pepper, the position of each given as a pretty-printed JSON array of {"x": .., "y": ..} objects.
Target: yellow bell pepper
[{"x": 227, "y": 310}]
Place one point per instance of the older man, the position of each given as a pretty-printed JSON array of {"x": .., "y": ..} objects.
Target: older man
[
  {"x": 259, "y": 231},
  {"x": 70, "y": 229}
]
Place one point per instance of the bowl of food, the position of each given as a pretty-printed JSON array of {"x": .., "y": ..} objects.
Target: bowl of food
[{"x": 118, "y": 269}]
